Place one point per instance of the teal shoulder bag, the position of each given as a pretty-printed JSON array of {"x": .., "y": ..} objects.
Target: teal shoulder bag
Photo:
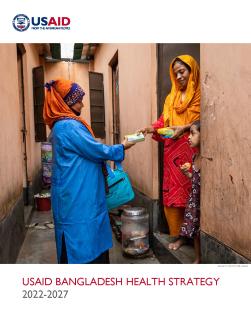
[{"x": 119, "y": 186}]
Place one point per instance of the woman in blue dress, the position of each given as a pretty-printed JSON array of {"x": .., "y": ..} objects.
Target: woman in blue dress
[{"x": 82, "y": 227}]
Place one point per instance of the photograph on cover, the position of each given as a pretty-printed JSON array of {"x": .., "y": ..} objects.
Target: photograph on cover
[{"x": 101, "y": 150}]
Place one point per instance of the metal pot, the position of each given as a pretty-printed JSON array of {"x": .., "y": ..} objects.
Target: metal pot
[{"x": 135, "y": 231}]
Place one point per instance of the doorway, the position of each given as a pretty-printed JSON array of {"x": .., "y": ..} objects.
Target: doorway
[
  {"x": 20, "y": 53},
  {"x": 165, "y": 54},
  {"x": 115, "y": 99}
]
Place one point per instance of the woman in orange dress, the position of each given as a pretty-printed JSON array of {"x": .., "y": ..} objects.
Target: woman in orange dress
[{"x": 181, "y": 108}]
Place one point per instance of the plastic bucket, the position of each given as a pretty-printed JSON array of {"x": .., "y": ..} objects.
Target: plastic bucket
[{"x": 43, "y": 203}]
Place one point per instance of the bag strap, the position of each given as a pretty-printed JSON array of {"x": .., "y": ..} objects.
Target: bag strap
[
  {"x": 118, "y": 165},
  {"x": 110, "y": 171}
]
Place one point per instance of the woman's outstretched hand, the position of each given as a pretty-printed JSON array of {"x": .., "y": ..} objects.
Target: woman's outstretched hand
[
  {"x": 146, "y": 130},
  {"x": 127, "y": 144}
]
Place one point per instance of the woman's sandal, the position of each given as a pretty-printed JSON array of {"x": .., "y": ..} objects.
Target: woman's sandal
[{"x": 36, "y": 225}]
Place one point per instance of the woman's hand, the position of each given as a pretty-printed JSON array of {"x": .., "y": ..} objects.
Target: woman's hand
[
  {"x": 146, "y": 130},
  {"x": 178, "y": 131},
  {"x": 127, "y": 144}
]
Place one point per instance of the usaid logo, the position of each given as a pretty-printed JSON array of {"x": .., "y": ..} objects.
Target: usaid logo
[{"x": 21, "y": 23}]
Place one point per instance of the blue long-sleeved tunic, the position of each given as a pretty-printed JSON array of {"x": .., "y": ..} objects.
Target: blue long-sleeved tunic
[{"x": 78, "y": 191}]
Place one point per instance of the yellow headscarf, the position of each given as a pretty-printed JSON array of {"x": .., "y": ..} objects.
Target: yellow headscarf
[{"x": 173, "y": 105}]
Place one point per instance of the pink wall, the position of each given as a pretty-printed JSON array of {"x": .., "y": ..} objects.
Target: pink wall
[
  {"x": 226, "y": 139},
  {"x": 11, "y": 172},
  {"x": 138, "y": 106},
  {"x": 11, "y": 154},
  {"x": 76, "y": 72},
  {"x": 31, "y": 60}
]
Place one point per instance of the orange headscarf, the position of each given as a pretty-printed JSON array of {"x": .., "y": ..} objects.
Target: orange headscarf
[
  {"x": 55, "y": 108},
  {"x": 189, "y": 110}
]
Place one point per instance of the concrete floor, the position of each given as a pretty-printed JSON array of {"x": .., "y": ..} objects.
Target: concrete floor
[{"x": 39, "y": 245}]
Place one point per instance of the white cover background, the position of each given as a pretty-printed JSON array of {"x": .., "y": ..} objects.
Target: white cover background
[{"x": 130, "y": 21}]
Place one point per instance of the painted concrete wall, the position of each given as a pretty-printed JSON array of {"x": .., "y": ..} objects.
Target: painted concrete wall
[
  {"x": 226, "y": 149},
  {"x": 11, "y": 172},
  {"x": 11, "y": 155},
  {"x": 76, "y": 72},
  {"x": 31, "y": 60},
  {"x": 138, "y": 106}
]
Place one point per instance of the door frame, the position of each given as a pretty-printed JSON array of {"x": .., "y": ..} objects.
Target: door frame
[
  {"x": 26, "y": 184},
  {"x": 114, "y": 64},
  {"x": 165, "y": 54}
]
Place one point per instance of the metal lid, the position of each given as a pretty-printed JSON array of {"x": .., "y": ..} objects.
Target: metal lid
[{"x": 134, "y": 211}]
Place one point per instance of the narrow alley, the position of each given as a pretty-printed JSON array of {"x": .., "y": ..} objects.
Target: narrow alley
[
  {"x": 124, "y": 88},
  {"x": 39, "y": 244}
]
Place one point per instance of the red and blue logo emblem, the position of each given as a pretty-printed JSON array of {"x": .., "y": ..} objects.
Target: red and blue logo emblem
[{"x": 21, "y": 22}]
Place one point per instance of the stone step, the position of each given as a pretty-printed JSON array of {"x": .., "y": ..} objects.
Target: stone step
[{"x": 184, "y": 255}]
